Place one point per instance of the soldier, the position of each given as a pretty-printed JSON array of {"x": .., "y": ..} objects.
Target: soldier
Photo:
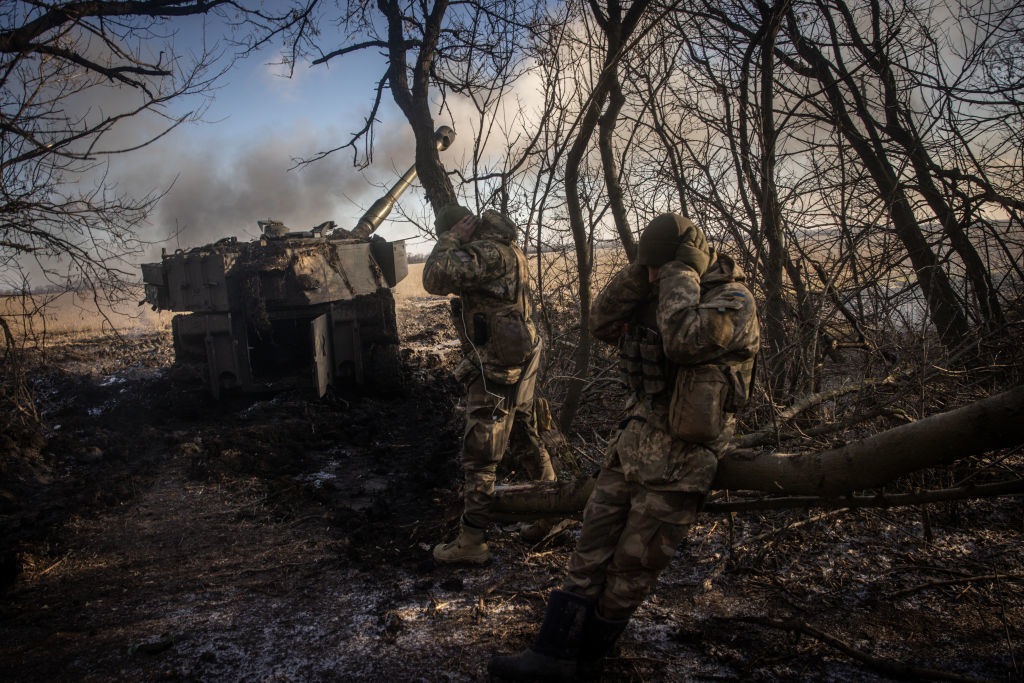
[
  {"x": 687, "y": 331},
  {"x": 478, "y": 259}
]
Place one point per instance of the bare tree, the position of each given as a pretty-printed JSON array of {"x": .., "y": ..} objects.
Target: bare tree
[
  {"x": 73, "y": 76},
  {"x": 618, "y": 25},
  {"x": 850, "y": 106},
  {"x": 766, "y": 122},
  {"x": 431, "y": 50}
]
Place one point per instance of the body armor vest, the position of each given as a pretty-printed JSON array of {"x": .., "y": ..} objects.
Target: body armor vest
[
  {"x": 642, "y": 358},
  {"x": 699, "y": 397},
  {"x": 495, "y": 318}
]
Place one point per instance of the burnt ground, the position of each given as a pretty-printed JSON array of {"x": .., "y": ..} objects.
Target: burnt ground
[{"x": 157, "y": 534}]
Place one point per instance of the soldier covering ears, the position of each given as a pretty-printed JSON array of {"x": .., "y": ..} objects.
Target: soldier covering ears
[
  {"x": 477, "y": 258},
  {"x": 686, "y": 327}
]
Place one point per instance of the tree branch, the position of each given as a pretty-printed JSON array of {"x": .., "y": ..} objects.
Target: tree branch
[{"x": 877, "y": 663}]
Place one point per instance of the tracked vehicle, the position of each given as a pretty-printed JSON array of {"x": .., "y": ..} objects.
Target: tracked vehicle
[{"x": 290, "y": 309}]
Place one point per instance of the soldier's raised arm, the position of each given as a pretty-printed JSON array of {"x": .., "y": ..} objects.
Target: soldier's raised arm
[
  {"x": 617, "y": 303},
  {"x": 696, "y": 330},
  {"x": 457, "y": 262}
]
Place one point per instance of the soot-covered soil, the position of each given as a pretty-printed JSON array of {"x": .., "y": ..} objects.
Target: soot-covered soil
[{"x": 158, "y": 534}]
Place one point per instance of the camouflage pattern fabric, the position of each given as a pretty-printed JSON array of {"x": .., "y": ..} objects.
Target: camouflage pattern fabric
[
  {"x": 495, "y": 414},
  {"x": 618, "y": 303},
  {"x": 630, "y": 534},
  {"x": 483, "y": 265},
  {"x": 701, "y": 320},
  {"x": 651, "y": 483},
  {"x": 484, "y": 273}
]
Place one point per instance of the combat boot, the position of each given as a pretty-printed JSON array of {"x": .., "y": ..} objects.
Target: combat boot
[
  {"x": 553, "y": 655},
  {"x": 468, "y": 547},
  {"x": 599, "y": 637}
]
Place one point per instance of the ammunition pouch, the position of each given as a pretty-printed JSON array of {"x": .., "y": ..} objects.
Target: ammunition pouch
[
  {"x": 703, "y": 396},
  {"x": 696, "y": 411},
  {"x": 642, "y": 360},
  {"x": 509, "y": 338}
]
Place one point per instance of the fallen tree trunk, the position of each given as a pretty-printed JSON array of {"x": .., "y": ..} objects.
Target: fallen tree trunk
[{"x": 992, "y": 423}]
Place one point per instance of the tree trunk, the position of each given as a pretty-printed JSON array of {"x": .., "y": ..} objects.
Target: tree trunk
[
  {"x": 776, "y": 335},
  {"x": 986, "y": 425},
  {"x": 606, "y": 126},
  {"x": 617, "y": 30},
  {"x": 943, "y": 306},
  {"x": 901, "y": 127},
  {"x": 414, "y": 99},
  {"x": 584, "y": 267}
]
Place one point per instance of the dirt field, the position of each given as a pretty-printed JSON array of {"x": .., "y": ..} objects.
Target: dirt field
[{"x": 157, "y": 534}]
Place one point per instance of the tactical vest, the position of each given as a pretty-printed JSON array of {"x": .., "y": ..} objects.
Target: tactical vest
[
  {"x": 496, "y": 322},
  {"x": 642, "y": 360},
  {"x": 702, "y": 395}
]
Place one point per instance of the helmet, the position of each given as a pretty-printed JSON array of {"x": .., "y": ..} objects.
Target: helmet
[
  {"x": 663, "y": 236},
  {"x": 448, "y": 215}
]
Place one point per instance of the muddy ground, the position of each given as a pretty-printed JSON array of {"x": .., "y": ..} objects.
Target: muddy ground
[{"x": 158, "y": 534}]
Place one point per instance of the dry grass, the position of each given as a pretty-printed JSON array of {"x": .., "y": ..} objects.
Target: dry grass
[
  {"x": 77, "y": 314},
  {"x": 412, "y": 286}
]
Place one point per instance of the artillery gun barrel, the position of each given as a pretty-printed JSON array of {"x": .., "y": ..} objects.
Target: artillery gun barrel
[{"x": 375, "y": 215}]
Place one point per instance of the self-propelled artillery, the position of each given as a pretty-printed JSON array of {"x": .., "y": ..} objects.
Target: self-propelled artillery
[{"x": 308, "y": 308}]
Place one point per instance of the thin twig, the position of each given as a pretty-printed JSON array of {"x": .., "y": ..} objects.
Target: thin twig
[
  {"x": 1014, "y": 487},
  {"x": 952, "y": 582},
  {"x": 877, "y": 663}
]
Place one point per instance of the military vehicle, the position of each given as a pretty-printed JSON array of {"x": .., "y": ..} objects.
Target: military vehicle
[{"x": 290, "y": 309}]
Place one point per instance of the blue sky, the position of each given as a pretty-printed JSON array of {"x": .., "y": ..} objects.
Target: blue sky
[{"x": 232, "y": 169}]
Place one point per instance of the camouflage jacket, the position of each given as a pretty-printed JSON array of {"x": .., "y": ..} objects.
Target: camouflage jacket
[
  {"x": 701, "y": 321},
  {"x": 489, "y": 277}
]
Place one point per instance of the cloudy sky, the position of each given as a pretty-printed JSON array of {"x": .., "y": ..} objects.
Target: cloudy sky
[{"x": 236, "y": 167}]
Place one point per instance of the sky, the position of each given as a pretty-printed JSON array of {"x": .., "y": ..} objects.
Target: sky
[{"x": 236, "y": 166}]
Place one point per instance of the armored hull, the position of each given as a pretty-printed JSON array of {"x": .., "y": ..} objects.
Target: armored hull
[
  {"x": 311, "y": 308},
  {"x": 292, "y": 311}
]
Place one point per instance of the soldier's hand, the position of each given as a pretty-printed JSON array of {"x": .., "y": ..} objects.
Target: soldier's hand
[
  {"x": 693, "y": 256},
  {"x": 693, "y": 250},
  {"x": 465, "y": 228}
]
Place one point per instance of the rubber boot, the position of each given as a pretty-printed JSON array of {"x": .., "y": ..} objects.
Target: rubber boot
[
  {"x": 553, "y": 655},
  {"x": 599, "y": 637},
  {"x": 467, "y": 548}
]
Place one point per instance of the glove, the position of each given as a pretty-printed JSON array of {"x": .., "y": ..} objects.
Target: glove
[{"x": 693, "y": 250}]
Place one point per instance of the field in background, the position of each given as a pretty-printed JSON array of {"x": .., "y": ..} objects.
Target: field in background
[
  {"x": 559, "y": 270},
  {"x": 412, "y": 286},
  {"x": 77, "y": 313}
]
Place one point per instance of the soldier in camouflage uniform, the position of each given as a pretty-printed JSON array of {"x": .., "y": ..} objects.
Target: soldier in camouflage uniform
[
  {"x": 478, "y": 259},
  {"x": 687, "y": 331}
]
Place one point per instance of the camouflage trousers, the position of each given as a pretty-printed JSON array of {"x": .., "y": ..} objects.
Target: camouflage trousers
[
  {"x": 629, "y": 536},
  {"x": 497, "y": 414}
]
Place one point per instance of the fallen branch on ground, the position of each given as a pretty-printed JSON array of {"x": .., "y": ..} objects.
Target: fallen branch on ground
[
  {"x": 877, "y": 663},
  {"x": 953, "y": 582},
  {"x": 819, "y": 398},
  {"x": 938, "y": 440}
]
